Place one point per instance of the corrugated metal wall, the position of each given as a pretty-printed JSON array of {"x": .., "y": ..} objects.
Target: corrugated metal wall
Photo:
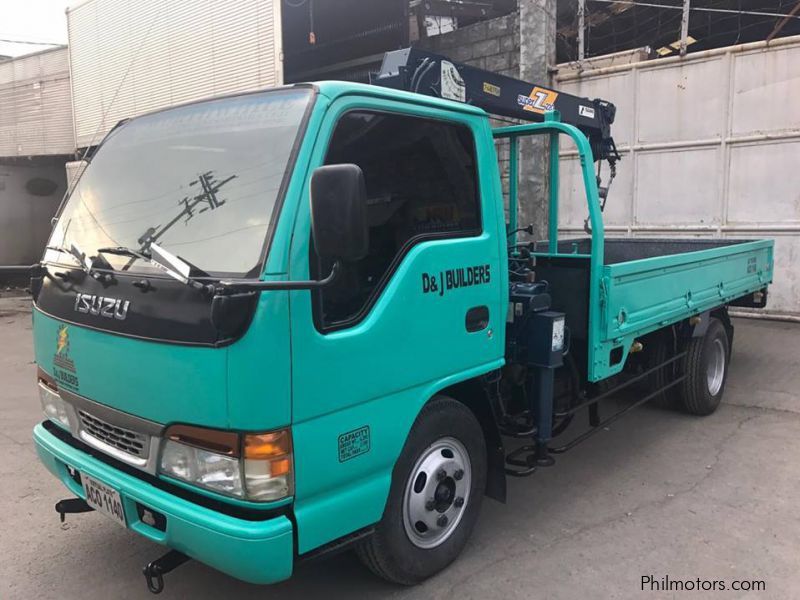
[
  {"x": 711, "y": 148},
  {"x": 35, "y": 105},
  {"x": 132, "y": 56}
]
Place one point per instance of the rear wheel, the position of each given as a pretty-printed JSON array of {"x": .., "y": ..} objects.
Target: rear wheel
[
  {"x": 436, "y": 494},
  {"x": 706, "y": 369},
  {"x": 659, "y": 349}
]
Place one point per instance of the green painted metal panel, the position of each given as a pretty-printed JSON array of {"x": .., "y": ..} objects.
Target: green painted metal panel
[
  {"x": 657, "y": 291},
  {"x": 160, "y": 382},
  {"x": 648, "y": 294},
  {"x": 552, "y": 214},
  {"x": 337, "y": 495},
  {"x": 254, "y": 551},
  {"x": 513, "y": 186},
  {"x": 259, "y": 392},
  {"x": 633, "y": 298},
  {"x": 379, "y": 372},
  {"x": 553, "y": 128},
  {"x": 244, "y": 386}
]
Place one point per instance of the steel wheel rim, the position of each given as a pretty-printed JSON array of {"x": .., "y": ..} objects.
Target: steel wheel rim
[
  {"x": 437, "y": 493},
  {"x": 715, "y": 369}
]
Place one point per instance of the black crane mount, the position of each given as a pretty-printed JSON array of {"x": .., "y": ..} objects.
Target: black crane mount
[{"x": 423, "y": 72}]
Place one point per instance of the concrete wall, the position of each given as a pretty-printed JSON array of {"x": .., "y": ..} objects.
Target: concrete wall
[
  {"x": 493, "y": 45},
  {"x": 30, "y": 192},
  {"x": 36, "y": 134},
  {"x": 515, "y": 45},
  {"x": 537, "y": 57}
]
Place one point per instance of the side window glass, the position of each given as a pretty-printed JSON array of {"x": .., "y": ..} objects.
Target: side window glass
[{"x": 421, "y": 180}]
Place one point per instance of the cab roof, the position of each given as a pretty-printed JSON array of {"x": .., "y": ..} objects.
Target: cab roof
[
  {"x": 337, "y": 89},
  {"x": 333, "y": 90}
]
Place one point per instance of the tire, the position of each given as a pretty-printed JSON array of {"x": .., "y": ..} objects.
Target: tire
[
  {"x": 446, "y": 438},
  {"x": 706, "y": 368},
  {"x": 658, "y": 353}
]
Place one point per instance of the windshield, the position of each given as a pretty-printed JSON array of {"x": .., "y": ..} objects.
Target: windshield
[{"x": 200, "y": 180}]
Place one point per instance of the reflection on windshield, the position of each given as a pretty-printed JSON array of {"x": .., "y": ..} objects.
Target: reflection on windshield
[
  {"x": 200, "y": 180},
  {"x": 209, "y": 187}
]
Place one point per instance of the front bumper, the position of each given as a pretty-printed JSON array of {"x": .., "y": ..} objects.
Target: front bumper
[{"x": 253, "y": 551}]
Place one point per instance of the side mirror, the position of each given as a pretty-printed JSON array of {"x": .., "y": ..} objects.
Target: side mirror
[{"x": 339, "y": 212}]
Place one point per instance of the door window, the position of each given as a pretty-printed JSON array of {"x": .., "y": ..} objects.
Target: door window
[{"x": 421, "y": 180}]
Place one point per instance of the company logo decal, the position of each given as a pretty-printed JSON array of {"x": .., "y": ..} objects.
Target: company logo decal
[
  {"x": 453, "y": 279},
  {"x": 540, "y": 100},
  {"x": 63, "y": 366},
  {"x": 102, "y": 306},
  {"x": 489, "y": 88},
  {"x": 62, "y": 340}
]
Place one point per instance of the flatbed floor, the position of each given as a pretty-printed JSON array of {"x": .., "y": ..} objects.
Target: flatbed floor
[{"x": 619, "y": 250}]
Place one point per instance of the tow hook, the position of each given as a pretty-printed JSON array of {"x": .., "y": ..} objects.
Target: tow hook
[
  {"x": 71, "y": 506},
  {"x": 154, "y": 572}
]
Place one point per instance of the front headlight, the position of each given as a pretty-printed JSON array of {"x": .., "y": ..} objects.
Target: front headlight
[
  {"x": 53, "y": 406},
  {"x": 207, "y": 469},
  {"x": 250, "y": 466}
]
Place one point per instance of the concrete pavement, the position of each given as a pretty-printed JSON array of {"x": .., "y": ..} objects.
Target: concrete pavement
[{"x": 660, "y": 493}]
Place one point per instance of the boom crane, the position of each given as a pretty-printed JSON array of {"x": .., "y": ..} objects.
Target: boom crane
[{"x": 424, "y": 72}]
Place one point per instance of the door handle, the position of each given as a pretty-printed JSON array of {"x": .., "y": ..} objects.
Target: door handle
[{"x": 477, "y": 318}]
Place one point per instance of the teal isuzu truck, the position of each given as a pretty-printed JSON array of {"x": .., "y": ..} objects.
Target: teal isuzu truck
[{"x": 279, "y": 324}]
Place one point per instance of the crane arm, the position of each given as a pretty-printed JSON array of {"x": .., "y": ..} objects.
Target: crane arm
[{"x": 423, "y": 72}]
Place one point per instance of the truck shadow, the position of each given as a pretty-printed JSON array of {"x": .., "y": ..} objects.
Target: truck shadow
[{"x": 540, "y": 510}]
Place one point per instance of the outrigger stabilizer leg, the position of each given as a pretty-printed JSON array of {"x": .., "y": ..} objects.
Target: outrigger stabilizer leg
[
  {"x": 544, "y": 414},
  {"x": 71, "y": 506},
  {"x": 545, "y": 355},
  {"x": 154, "y": 572}
]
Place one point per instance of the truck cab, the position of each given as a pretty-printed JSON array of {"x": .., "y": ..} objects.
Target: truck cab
[
  {"x": 141, "y": 362},
  {"x": 275, "y": 324}
]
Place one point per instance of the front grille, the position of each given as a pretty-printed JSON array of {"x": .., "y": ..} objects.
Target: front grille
[{"x": 130, "y": 442}]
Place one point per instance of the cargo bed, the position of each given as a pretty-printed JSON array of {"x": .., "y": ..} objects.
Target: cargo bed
[
  {"x": 647, "y": 284},
  {"x": 616, "y": 290}
]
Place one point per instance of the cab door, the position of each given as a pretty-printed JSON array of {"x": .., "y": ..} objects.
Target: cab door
[{"x": 423, "y": 310}]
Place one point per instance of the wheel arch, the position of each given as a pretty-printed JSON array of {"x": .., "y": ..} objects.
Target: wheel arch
[
  {"x": 721, "y": 313},
  {"x": 474, "y": 394}
]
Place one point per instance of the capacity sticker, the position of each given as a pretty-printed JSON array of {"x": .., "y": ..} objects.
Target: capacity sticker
[{"x": 354, "y": 443}]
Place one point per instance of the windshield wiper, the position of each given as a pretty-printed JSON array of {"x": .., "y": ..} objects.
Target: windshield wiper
[
  {"x": 84, "y": 261},
  {"x": 86, "y": 264},
  {"x": 165, "y": 261},
  {"x": 123, "y": 251}
]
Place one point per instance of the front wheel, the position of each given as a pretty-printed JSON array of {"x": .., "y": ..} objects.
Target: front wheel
[
  {"x": 706, "y": 369},
  {"x": 435, "y": 497}
]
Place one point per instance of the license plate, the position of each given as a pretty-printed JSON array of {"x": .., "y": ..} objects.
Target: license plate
[{"x": 103, "y": 499}]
